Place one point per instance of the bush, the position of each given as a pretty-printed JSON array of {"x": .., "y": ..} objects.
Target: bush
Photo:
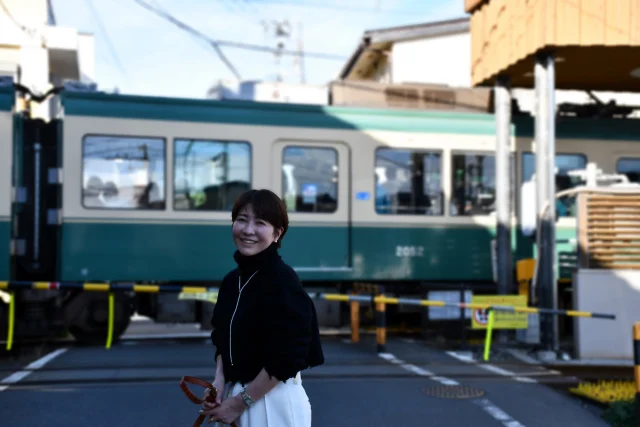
[{"x": 622, "y": 413}]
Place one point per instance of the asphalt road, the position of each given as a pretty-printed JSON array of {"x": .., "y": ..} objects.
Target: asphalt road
[{"x": 135, "y": 383}]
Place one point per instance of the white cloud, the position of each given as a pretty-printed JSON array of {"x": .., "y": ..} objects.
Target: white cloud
[{"x": 161, "y": 59}]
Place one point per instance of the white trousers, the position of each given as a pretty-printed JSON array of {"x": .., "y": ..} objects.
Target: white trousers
[{"x": 285, "y": 405}]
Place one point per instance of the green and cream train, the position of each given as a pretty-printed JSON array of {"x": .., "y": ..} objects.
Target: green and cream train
[{"x": 139, "y": 189}]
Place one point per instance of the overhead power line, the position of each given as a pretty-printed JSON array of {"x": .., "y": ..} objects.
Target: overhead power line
[
  {"x": 107, "y": 38},
  {"x": 192, "y": 31},
  {"x": 240, "y": 45}
]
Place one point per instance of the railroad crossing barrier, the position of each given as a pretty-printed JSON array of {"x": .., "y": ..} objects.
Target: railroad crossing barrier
[{"x": 203, "y": 293}]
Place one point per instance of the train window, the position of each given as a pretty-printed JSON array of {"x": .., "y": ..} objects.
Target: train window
[
  {"x": 210, "y": 175},
  {"x": 473, "y": 185},
  {"x": 310, "y": 179},
  {"x": 630, "y": 167},
  {"x": 123, "y": 172},
  {"x": 565, "y": 206},
  {"x": 408, "y": 182}
]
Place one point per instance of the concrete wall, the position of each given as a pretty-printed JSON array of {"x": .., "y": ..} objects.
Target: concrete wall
[{"x": 612, "y": 292}]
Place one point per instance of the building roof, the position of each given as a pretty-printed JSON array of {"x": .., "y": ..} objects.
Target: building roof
[{"x": 375, "y": 44}]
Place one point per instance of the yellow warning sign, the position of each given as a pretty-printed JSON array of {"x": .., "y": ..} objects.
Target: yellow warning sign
[
  {"x": 210, "y": 296},
  {"x": 502, "y": 319}
]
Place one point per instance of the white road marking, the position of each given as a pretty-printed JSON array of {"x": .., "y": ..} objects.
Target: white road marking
[
  {"x": 33, "y": 366},
  {"x": 491, "y": 368},
  {"x": 485, "y": 404},
  {"x": 416, "y": 369},
  {"x": 497, "y": 413}
]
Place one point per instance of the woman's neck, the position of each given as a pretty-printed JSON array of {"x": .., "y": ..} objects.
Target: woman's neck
[{"x": 250, "y": 264}]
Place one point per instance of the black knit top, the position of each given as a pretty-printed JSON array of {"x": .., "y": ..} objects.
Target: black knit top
[{"x": 266, "y": 321}]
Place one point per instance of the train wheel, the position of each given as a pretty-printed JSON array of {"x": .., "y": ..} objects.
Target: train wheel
[{"x": 86, "y": 316}]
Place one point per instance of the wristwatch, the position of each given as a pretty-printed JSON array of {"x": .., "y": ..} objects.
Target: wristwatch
[{"x": 246, "y": 398}]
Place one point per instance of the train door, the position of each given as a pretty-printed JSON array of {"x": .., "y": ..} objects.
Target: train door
[
  {"x": 313, "y": 179},
  {"x": 37, "y": 200}
]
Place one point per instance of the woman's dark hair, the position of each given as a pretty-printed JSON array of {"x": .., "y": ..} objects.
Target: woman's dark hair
[{"x": 266, "y": 206}]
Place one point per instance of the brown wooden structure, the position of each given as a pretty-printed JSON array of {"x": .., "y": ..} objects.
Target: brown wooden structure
[
  {"x": 609, "y": 230},
  {"x": 596, "y": 43}
]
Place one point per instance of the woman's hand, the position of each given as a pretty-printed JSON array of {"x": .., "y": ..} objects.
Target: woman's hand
[
  {"x": 218, "y": 383},
  {"x": 228, "y": 411}
]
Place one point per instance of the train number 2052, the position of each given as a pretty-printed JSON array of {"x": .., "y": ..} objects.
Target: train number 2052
[{"x": 409, "y": 251}]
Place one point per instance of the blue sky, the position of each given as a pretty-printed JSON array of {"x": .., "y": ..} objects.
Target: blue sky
[{"x": 157, "y": 58}]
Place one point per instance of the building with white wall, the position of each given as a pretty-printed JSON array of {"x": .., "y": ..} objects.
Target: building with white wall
[
  {"x": 438, "y": 53},
  {"x": 38, "y": 54}
]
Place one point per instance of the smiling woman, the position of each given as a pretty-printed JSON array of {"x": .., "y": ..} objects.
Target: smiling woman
[
  {"x": 259, "y": 219},
  {"x": 265, "y": 327}
]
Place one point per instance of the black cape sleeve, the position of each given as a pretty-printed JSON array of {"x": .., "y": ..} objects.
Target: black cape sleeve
[{"x": 290, "y": 329}]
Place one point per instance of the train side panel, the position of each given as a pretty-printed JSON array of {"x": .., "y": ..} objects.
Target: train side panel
[
  {"x": 172, "y": 238},
  {"x": 171, "y": 243},
  {"x": 421, "y": 240},
  {"x": 6, "y": 144},
  {"x": 130, "y": 243}
]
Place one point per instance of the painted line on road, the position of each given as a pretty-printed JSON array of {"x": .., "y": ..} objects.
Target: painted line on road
[
  {"x": 416, "y": 369},
  {"x": 497, "y": 413},
  {"x": 491, "y": 368},
  {"x": 33, "y": 366},
  {"x": 485, "y": 404}
]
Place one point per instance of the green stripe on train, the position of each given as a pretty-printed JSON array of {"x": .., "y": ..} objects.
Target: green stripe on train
[
  {"x": 176, "y": 252},
  {"x": 5, "y": 238}
]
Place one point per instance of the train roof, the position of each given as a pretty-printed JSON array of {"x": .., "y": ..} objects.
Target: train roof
[
  {"x": 7, "y": 98},
  {"x": 98, "y": 104}
]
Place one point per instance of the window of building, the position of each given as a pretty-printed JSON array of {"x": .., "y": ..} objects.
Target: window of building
[
  {"x": 123, "y": 172},
  {"x": 630, "y": 167},
  {"x": 565, "y": 206},
  {"x": 408, "y": 182},
  {"x": 473, "y": 184},
  {"x": 310, "y": 179},
  {"x": 210, "y": 175}
]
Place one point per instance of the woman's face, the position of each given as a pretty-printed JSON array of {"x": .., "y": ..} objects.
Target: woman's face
[{"x": 252, "y": 235}]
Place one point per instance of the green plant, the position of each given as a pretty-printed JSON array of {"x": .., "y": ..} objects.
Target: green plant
[{"x": 622, "y": 413}]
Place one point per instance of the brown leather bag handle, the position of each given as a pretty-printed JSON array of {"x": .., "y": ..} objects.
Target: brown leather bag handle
[{"x": 211, "y": 397}]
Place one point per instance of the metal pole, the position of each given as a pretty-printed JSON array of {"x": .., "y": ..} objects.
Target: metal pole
[
  {"x": 541, "y": 188},
  {"x": 503, "y": 190},
  {"x": 552, "y": 299},
  {"x": 545, "y": 186}
]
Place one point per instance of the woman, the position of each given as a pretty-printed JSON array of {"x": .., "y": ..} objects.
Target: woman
[{"x": 264, "y": 325}]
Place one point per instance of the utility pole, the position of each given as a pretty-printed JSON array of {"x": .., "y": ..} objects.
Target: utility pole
[{"x": 281, "y": 31}]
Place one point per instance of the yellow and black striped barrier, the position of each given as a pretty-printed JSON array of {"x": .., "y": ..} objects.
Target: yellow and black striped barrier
[
  {"x": 102, "y": 287},
  {"x": 198, "y": 291},
  {"x": 380, "y": 302},
  {"x": 205, "y": 294},
  {"x": 477, "y": 306},
  {"x": 636, "y": 365}
]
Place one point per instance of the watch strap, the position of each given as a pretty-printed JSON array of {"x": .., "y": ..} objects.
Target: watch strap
[{"x": 246, "y": 398}]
